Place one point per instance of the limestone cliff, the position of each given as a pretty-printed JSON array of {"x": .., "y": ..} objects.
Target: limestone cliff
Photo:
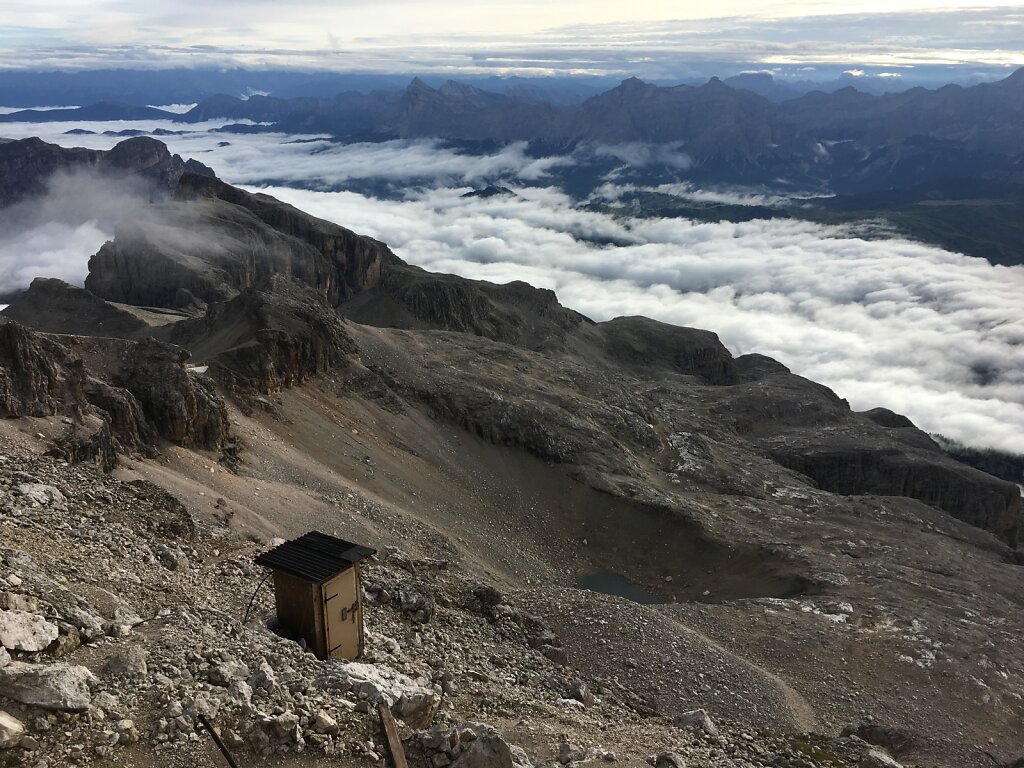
[{"x": 215, "y": 240}]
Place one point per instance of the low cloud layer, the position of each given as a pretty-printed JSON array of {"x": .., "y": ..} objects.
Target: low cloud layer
[
  {"x": 314, "y": 160},
  {"x": 52, "y": 250},
  {"x": 932, "y": 334}
]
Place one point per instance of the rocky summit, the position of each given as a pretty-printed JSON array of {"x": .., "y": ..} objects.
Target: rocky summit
[{"x": 597, "y": 543}]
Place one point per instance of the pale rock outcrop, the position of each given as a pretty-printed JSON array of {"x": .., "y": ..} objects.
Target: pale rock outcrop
[
  {"x": 63, "y": 687},
  {"x": 23, "y": 631},
  {"x": 11, "y": 730},
  {"x": 379, "y": 683},
  {"x": 42, "y": 495}
]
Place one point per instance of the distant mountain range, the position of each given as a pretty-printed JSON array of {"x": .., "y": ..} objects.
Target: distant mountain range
[
  {"x": 845, "y": 141},
  {"x": 27, "y": 88}
]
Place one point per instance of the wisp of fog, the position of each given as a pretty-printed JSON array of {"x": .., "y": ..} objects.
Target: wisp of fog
[{"x": 54, "y": 235}]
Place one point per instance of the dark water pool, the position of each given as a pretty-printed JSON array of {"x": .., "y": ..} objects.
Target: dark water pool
[{"x": 618, "y": 585}]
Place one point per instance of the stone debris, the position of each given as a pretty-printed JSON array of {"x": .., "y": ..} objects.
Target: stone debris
[{"x": 83, "y": 675}]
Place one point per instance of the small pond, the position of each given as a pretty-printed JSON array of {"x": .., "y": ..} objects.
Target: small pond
[{"x": 618, "y": 585}]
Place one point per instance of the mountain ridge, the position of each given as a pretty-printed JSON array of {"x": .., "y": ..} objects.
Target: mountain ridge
[
  {"x": 854, "y": 141},
  {"x": 803, "y": 566}
]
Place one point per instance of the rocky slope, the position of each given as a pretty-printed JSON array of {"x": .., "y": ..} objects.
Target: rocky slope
[
  {"x": 112, "y": 396},
  {"x": 794, "y": 568},
  {"x": 116, "y": 665}
]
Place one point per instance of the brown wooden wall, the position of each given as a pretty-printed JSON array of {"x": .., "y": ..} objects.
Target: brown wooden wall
[{"x": 300, "y": 611}]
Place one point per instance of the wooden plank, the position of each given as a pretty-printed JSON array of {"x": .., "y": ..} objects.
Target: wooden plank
[
  {"x": 391, "y": 734},
  {"x": 341, "y": 614}
]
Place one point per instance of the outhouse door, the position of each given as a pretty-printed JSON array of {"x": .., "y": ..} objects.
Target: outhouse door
[{"x": 343, "y": 614}]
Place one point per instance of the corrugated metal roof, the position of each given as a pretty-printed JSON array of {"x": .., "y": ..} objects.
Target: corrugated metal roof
[{"x": 314, "y": 556}]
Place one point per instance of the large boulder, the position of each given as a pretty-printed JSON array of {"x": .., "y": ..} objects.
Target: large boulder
[
  {"x": 377, "y": 683},
  {"x": 62, "y": 687},
  {"x": 24, "y": 631},
  {"x": 40, "y": 495},
  {"x": 131, "y": 662},
  {"x": 877, "y": 758}
]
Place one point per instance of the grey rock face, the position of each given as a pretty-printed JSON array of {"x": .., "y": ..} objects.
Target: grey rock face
[
  {"x": 297, "y": 335},
  {"x": 130, "y": 662},
  {"x": 36, "y": 374},
  {"x": 50, "y": 686},
  {"x": 217, "y": 240},
  {"x": 697, "y": 719},
  {"x": 184, "y": 407}
]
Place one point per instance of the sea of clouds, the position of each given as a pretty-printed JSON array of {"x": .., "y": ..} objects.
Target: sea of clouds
[{"x": 935, "y": 335}]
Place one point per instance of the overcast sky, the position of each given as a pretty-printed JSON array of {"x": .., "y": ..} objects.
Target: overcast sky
[{"x": 530, "y": 36}]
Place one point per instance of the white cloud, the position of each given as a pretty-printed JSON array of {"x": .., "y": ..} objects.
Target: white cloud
[
  {"x": 311, "y": 160},
  {"x": 641, "y": 154},
  {"x": 757, "y": 196},
  {"x": 9, "y": 110},
  {"x": 653, "y": 39},
  {"x": 55, "y": 249},
  {"x": 54, "y": 235}
]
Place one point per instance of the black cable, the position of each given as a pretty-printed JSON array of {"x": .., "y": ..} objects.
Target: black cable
[
  {"x": 253, "y": 598},
  {"x": 216, "y": 738}
]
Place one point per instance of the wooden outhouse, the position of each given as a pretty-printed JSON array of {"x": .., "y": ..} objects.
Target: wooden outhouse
[{"x": 318, "y": 593}]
